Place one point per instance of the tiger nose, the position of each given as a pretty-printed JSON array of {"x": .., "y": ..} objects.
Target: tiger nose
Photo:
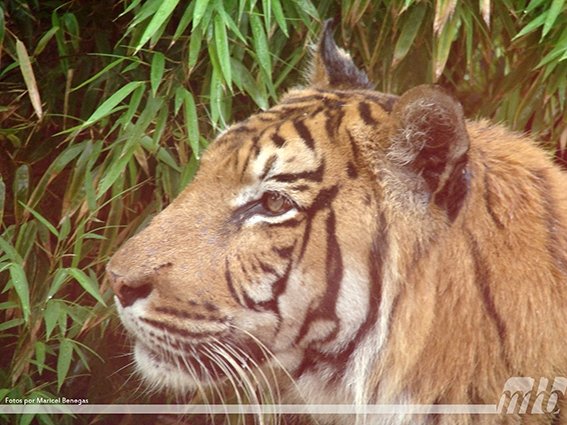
[{"x": 128, "y": 292}]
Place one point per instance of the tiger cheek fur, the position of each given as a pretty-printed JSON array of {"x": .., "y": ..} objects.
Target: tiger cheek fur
[{"x": 377, "y": 249}]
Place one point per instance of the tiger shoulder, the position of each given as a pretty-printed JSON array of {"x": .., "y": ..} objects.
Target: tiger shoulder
[{"x": 353, "y": 248}]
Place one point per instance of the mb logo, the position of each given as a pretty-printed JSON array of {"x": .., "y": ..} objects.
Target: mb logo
[{"x": 520, "y": 395}]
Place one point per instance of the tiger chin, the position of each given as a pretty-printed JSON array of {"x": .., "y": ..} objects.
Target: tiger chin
[{"x": 356, "y": 248}]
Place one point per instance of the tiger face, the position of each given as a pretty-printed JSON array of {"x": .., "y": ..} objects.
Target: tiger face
[
  {"x": 376, "y": 249},
  {"x": 261, "y": 250}
]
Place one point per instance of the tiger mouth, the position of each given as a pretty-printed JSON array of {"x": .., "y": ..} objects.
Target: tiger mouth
[{"x": 203, "y": 362}]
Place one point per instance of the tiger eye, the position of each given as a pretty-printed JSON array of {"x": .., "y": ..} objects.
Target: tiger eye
[{"x": 276, "y": 203}]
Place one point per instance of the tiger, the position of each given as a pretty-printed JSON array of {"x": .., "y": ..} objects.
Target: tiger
[{"x": 347, "y": 247}]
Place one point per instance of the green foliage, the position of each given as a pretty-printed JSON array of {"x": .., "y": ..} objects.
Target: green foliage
[{"x": 105, "y": 108}]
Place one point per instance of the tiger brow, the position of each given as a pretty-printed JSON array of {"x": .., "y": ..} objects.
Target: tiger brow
[{"x": 268, "y": 166}]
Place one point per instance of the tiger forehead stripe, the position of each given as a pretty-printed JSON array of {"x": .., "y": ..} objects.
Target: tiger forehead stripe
[{"x": 304, "y": 133}]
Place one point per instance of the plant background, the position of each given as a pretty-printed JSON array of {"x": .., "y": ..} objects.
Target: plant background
[{"x": 106, "y": 106}]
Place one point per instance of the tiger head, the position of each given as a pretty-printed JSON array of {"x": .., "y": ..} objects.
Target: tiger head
[{"x": 319, "y": 236}]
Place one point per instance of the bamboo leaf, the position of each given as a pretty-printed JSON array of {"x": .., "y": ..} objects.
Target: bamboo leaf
[
  {"x": 8, "y": 250},
  {"x": 267, "y": 9},
  {"x": 260, "y": 43},
  {"x": 156, "y": 72},
  {"x": 40, "y": 355},
  {"x": 532, "y": 25},
  {"x": 163, "y": 13},
  {"x": 280, "y": 17},
  {"x": 44, "y": 40},
  {"x": 444, "y": 46},
  {"x": 443, "y": 11},
  {"x": 184, "y": 22},
  {"x": 229, "y": 22},
  {"x": 29, "y": 77},
  {"x": 307, "y": 6},
  {"x": 246, "y": 82},
  {"x": 64, "y": 360},
  {"x": 51, "y": 316},
  {"x": 534, "y": 4},
  {"x": 221, "y": 43},
  {"x": 88, "y": 284},
  {"x": 199, "y": 12},
  {"x": 2, "y": 197},
  {"x": 409, "y": 33},
  {"x": 100, "y": 73},
  {"x": 557, "y": 52},
  {"x": 72, "y": 27},
  {"x": 20, "y": 187},
  {"x": 42, "y": 220},
  {"x": 191, "y": 121},
  {"x": 12, "y": 323},
  {"x": 552, "y": 14},
  {"x": 194, "y": 47},
  {"x": 58, "y": 280},
  {"x": 2, "y": 26},
  {"x": 20, "y": 282},
  {"x": 109, "y": 104}
]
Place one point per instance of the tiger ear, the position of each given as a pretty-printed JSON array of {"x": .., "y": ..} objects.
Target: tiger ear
[
  {"x": 430, "y": 139},
  {"x": 333, "y": 68}
]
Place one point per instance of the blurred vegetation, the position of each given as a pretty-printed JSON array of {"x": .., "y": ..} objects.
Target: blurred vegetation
[{"x": 106, "y": 106}]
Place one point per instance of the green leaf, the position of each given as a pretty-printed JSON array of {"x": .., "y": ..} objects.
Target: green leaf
[
  {"x": 532, "y": 25},
  {"x": 51, "y": 316},
  {"x": 130, "y": 7},
  {"x": 260, "y": 43},
  {"x": 29, "y": 77},
  {"x": 534, "y": 4},
  {"x": 216, "y": 95},
  {"x": 184, "y": 21},
  {"x": 26, "y": 238},
  {"x": 199, "y": 12},
  {"x": 40, "y": 355},
  {"x": 443, "y": 46},
  {"x": 160, "y": 124},
  {"x": 65, "y": 227},
  {"x": 156, "y": 72},
  {"x": 552, "y": 14},
  {"x": 191, "y": 121},
  {"x": 88, "y": 284},
  {"x": 44, "y": 40},
  {"x": 11, "y": 324},
  {"x": 102, "y": 72},
  {"x": 64, "y": 360},
  {"x": 244, "y": 80},
  {"x": 42, "y": 220},
  {"x": 2, "y": 27},
  {"x": 26, "y": 418},
  {"x": 267, "y": 9},
  {"x": 162, "y": 154},
  {"x": 229, "y": 22},
  {"x": 20, "y": 188},
  {"x": 116, "y": 170},
  {"x": 20, "y": 282},
  {"x": 280, "y": 17},
  {"x": 58, "y": 280},
  {"x": 109, "y": 104},
  {"x": 72, "y": 26},
  {"x": 10, "y": 252},
  {"x": 162, "y": 14},
  {"x": 194, "y": 47},
  {"x": 308, "y": 7},
  {"x": 221, "y": 43},
  {"x": 90, "y": 191},
  {"x": 2, "y": 198},
  {"x": 409, "y": 32}
]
